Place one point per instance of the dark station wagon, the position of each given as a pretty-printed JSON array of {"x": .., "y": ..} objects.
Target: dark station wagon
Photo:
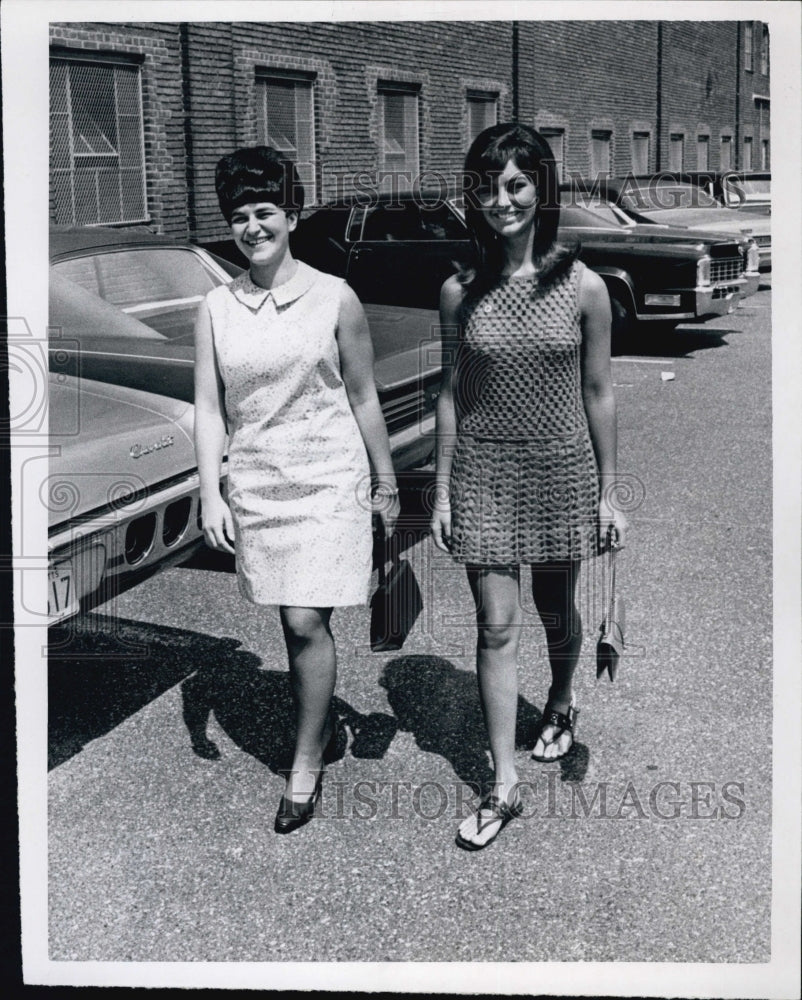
[{"x": 398, "y": 249}]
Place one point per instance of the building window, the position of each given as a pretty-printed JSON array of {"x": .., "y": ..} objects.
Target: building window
[
  {"x": 676, "y": 151},
  {"x": 600, "y": 152},
  {"x": 286, "y": 121},
  {"x": 640, "y": 152},
  {"x": 764, "y": 155},
  {"x": 555, "y": 137},
  {"x": 748, "y": 38},
  {"x": 747, "y": 164},
  {"x": 399, "y": 147},
  {"x": 703, "y": 152},
  {"x": 97, "y": 160},
  {"x": 482, "y": 112},
  {"x": 726, "y": 152},
  {"x": 764, "y": 51}
]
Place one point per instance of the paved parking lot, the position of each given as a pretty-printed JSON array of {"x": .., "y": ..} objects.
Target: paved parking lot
[{"x": 650, "y": 843}]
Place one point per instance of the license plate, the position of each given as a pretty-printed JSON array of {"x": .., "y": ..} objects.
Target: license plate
[{"x": 61, "y": 597}]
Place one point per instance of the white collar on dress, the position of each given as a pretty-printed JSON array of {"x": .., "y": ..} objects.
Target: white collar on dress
[{"x": 253, "y": 296}]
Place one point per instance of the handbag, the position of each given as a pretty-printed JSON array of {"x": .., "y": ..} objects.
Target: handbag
[
  {"x": 610, "y": 646},
  {"x": 397, "y": 602}
]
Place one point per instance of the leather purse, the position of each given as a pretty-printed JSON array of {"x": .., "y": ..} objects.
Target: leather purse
[
  {"x": 397, "y": 602},
  {"x": 610, "y": 645}
]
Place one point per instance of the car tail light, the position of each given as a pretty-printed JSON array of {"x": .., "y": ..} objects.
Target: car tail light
[
  {"x": 176, "y": 519},
  {"x": 139, "y": 538},
  {"x": 703, "y": 271}
]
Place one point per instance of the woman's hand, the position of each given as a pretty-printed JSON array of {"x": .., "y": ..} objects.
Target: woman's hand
[
  {"x": 440, "y": 525},
  {"x": 387, "y": 508},
  {"x": 218, "y": 524},
  {"x": 611, "y": 517}
]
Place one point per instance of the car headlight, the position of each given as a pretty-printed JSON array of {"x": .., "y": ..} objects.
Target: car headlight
[
  {"x": 752, "y": 257},
  {"x": 703, "y": 271}
]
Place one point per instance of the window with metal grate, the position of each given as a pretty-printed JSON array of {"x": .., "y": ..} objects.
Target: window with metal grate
[
  {"x": 399, "y": 148},
  {"x": 97, "y": 162},
  {"x": 286, "y": 121}
]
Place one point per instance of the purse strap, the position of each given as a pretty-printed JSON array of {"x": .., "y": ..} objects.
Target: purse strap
[
  {"x": 386, "y": 548},
  {"x": 610, "y": 576}
]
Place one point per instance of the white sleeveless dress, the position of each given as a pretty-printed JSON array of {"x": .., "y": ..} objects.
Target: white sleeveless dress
[{"x": 298, "y": 473}]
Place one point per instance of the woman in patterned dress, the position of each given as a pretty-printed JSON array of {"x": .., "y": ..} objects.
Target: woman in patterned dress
[
  {"x": 284, "y": 367},
  {"x": 526, "y": 448}
]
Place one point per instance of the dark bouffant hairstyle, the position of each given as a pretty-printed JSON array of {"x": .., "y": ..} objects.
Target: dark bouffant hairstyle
[
  {"x": 257, "y": 173},
  {"x": 487, "y": 157}
]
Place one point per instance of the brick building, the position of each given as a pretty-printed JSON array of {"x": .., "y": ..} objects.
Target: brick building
[{"x": 140, "y": 112}]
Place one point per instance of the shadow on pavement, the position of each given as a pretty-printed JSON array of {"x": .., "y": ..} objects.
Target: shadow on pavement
[
  {"x": 102, "y": 670},
  {"x": 254, "y": 707},
  {"x": 669, "y": 341},
  {"x": 439, "y": 704}
]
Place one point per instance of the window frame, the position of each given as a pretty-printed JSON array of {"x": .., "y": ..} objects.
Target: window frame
[
  {"x": 298, "y": 79},
  {"x": 725, "y": 143},
  {"x": 639, "y": 135},
  {"x": 475, "y": 97},
  {"x": 676, "y": 140},
  {"x": 749, "y": 47},
  {"x": 601, "y": 135},
  {"x": 549, "y": 132},
  {"x": 71, "y": 59},
  {"x": 394, "y": 88},
  {"x": 703, "y": 142}
]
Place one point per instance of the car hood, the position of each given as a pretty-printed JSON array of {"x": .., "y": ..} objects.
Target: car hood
[
  {"x": 716, "y": 220},
  {"x": 111, "y": 442},
  {"x": 406, "y": 344},
  {"x": 642, "y": 237}
]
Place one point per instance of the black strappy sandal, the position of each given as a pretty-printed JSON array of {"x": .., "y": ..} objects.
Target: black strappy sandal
[
  {"x": 564, "y": 723},
  {"x": 499, "y": 811}
]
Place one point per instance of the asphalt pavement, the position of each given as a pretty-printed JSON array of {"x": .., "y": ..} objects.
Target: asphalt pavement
[{"x": 651, "y": 842}]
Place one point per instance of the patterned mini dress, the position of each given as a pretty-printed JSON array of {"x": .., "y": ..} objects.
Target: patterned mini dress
[{"x": 524, "y": 478}]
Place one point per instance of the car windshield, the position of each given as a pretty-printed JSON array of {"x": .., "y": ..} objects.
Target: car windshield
[
  {"x": 753, "y": 189},
  {"x": 160, "y": 286},
  {"x": 658, "y": 195},
  {"x": 575, "y": 216}
]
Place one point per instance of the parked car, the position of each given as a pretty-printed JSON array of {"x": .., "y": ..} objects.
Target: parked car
[
  {"x": 661, "y": 200},
  {"x": 122, "y": 489},
  {"x": 749, "y": 190},
  {"x": 399, "y": 249},
  {"x": 122, "y": 310}
]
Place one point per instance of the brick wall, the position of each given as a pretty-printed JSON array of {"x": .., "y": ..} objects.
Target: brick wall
[
  {"x": 575, "y": 76},
  {"x": 591, "y": 75},
  {"x": 755, "y": 113},
  {"x": 699, "y": 74},
  {"x": 348, "y": 61}
]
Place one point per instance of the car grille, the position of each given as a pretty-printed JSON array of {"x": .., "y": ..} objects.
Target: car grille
[
  {"x": 402, "y": 408},
  {"x": 728, "y": 269}
]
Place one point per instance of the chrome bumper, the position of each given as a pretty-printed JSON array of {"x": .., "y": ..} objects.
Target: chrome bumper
[{"x": 712, "y": 300}]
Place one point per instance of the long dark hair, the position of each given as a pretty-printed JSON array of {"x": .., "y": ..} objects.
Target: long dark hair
[{"x": 489, "y": 154}]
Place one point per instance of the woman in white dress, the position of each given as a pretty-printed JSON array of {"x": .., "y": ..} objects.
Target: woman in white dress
[{"x": 284, "y": 367}]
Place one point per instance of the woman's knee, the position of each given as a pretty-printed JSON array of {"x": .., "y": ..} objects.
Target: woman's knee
[
  {"x": 304, "y": 625},
  {"x": 498, "y": 636}
]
